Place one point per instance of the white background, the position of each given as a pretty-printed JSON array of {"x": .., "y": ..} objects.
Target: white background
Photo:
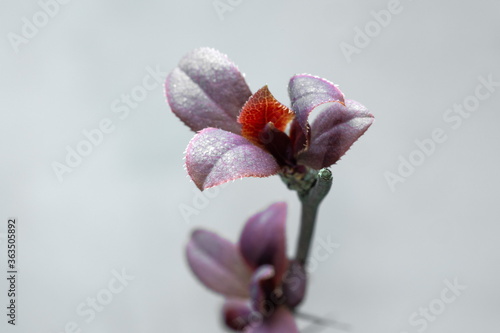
[{"x": 119, "y": 208}]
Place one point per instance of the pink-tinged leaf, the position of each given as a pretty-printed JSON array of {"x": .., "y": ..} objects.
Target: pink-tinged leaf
[
  {"x": 333, "y": 132},
  {"x": 294, "y": 284},
  {"x": 280, "y": 321},
  {"x": 218, "y": 264},
  {"x": 215, "y": 156},
  {"x": 237, "y": 313},
  {"x": 262, "y": 241},
  {"x": 207, "y": 90},
  {"x": 261, "y": 287},
  {"x": 307, "y": 92}
]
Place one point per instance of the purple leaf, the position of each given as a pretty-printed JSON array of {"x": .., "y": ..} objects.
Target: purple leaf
[
  {"x": 207, "y": 90},
  {"x": 333, "y": 132},
  {"x": 215, "y": 156},
  {"x": 261, "y": 287},
  {"x": 307, "y": 92},
  {"x": 237, "y": 313},
  {"x": 262, "y": 241},
  {"x": 218, "y": 264},
  {"x": 281, "y": 321}
]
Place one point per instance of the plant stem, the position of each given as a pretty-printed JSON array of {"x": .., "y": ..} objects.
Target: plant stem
[{"x": 310, "y": 204}]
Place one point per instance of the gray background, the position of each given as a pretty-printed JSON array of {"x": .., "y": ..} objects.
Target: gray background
[{"x": 119, "y": 209}]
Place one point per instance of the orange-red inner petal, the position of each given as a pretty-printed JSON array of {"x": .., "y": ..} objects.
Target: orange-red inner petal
[{"x": 261, "y": 109}]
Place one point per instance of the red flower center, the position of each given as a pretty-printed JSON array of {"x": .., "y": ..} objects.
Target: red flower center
[{"x": 259, "y": 112}]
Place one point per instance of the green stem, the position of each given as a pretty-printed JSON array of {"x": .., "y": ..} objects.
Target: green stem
[{"x": 310, "y": 204}]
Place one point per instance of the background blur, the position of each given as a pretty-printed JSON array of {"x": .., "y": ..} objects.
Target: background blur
[{"x": 402, "y": 236}]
